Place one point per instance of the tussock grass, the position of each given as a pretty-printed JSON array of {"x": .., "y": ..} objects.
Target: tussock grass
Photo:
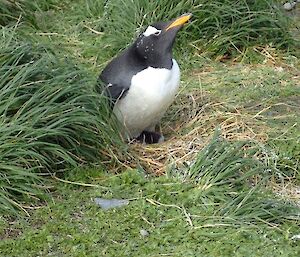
[
  {"x": 230, "y": 179},
  {"x": 50, "y": 118},
  {"x": 28, "y": 10},
  {"x": 218, "y": 27}
]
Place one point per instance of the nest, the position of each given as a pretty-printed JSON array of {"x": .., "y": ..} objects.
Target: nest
[{"x": 188, "y": 126}]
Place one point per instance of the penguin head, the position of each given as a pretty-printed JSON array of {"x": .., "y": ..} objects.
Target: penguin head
[{"x": 155, "y": 44}]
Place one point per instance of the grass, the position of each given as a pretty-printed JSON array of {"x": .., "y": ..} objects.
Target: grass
[
  {"x": 50, "y": 118},
  {"x": 226, "y": 191},
  {"x": 12, "y": 11},
  {"x": 179, "y": 223},
  {"x": 262, "y": 95},
  {"x": 225, "y": 26}
]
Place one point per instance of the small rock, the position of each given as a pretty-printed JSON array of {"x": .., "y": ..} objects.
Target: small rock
[
  {"x": 110, "y": 203},
  {"x": 144, "y": 232}
]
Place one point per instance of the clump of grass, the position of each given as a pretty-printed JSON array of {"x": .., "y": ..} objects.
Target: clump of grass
[
  {"x": 50, "y": 119},
  {"x": 288, "y": 152},
  {"x": 93, "y": 9},
  {"x": 232, "y": 26},
  {"x": 230, "y": 179},
  {"x": 218, "y": 27},
  {"x": 13, "y": 10}
]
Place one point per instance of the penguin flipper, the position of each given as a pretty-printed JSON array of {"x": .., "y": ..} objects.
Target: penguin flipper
[
  {"x": 116, "y": 91},
  {"x": 113, "y": 92}
]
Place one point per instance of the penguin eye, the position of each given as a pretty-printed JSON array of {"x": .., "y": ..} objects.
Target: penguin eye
[{"x": 157, "y": 33}]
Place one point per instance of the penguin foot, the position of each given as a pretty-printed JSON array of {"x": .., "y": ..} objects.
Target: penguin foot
[{"x": 148, "y": 137}]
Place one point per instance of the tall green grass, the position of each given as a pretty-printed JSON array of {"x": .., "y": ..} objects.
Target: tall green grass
[
  {"x": 24, "y": 10},
  {"x": 50, "y": 118},
  {"x": 218, "y": 27},
  {"x": 231, "y": 183}
]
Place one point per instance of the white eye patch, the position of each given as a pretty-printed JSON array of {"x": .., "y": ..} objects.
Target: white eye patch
[{"x": 151, "y": 31}]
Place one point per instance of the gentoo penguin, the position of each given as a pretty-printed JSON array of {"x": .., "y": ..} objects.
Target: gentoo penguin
[{"x": 142, "y": 81}]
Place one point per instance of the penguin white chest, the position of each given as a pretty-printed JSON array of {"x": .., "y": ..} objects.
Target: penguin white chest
[{"x": 150, "y": 94}]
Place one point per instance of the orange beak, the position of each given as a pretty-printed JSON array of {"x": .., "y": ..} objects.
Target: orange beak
[{"x": 180, "y": 21}]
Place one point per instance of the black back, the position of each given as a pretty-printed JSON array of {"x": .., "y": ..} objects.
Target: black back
[{"x": 116, "y": 77}]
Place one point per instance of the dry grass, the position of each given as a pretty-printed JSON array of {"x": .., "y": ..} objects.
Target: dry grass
[
  {"x": 193, "y": 119},
  {"x": 287, "y": 190}
]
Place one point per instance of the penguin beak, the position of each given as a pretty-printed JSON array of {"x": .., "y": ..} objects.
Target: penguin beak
[{"x": 179, "y": 21}]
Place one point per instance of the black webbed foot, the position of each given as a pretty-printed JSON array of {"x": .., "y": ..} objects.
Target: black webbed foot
[{"x": 148, "y": 137}]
